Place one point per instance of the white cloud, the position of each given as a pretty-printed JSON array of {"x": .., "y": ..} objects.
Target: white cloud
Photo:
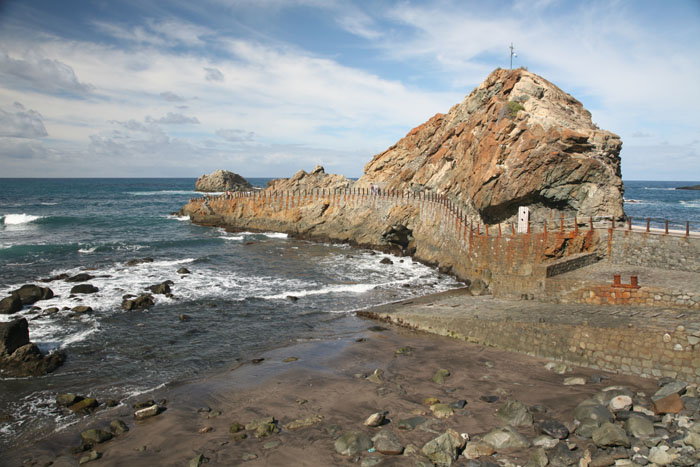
[
  {"x": 171, "y": 97},
  {"x": 235, "y": 135},
  {"x": 19, "y": 122},
  {"x": 41, "y": 74},
  {"x": 173, "y": 119},
  {"x": 213, "y": 74}
]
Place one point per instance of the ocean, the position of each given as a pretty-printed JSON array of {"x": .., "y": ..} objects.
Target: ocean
[{"x": 237, "y": 294}]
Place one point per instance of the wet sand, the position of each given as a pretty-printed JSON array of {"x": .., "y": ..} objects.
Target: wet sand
[{"x": 328, "y": 379}]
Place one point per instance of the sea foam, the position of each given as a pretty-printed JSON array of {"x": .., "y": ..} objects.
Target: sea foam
[{"x": 17, "y": 219}]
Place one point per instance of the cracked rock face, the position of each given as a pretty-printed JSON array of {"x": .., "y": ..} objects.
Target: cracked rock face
[
  {"x": 516, "y": 140},
  {"x": 222, "y": 180}
]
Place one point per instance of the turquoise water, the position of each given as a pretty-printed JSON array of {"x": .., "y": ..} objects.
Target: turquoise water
[
  {"x": 236, "y": 294},
  {"x": 660, "y": 201}
]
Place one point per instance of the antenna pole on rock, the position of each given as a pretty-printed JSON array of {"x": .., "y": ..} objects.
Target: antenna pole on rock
[{"x": 512, "y": 54}]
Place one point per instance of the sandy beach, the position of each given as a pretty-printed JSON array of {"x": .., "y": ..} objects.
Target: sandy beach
[{"x": 324, "y": 385}]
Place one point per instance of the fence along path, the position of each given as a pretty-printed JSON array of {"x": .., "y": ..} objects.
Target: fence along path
[{"x": 451, "y": 216}]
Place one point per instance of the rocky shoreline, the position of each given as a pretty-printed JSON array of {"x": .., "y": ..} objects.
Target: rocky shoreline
[{"x": 390, "y": 396}]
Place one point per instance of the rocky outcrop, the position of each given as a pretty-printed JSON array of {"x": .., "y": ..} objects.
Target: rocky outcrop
[
  {"x": 21, "y": 358},
  {"x": 222, "y": 180},
  {"x": 691, "y": 187},
  {"x": 516, "y": 140},
  {"x": 316, "y": 179}
]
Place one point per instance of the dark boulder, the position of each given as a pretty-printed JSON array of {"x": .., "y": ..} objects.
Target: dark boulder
[
  {"x": 134, "y": 262},
  {"x": 30, "y": 293},
  {"x": 162, "y": 288},
  {"x": 10, "y": 305},
  {"x": 13, "y": 335},
  {"x": 84, "y": 288},
  {"x": 183, "y": 271},
  {"x": 59, "y": 277},
  {"x": 139, "y": 303},
  {"x": 82, "y": 277},
  {"x": 28, "y": 361},
  {"x": 82, "y": 309}
]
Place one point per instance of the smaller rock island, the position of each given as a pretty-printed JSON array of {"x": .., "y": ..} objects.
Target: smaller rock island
[
  {"x": 222, "y": 180},
  {"x": 691, "y": 187}
]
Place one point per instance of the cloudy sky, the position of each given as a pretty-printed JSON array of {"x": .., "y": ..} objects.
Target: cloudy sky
[{"x": 121, "y": 88}]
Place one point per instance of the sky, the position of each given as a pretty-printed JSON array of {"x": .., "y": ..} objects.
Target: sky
[{"x": 178, "y": 88}]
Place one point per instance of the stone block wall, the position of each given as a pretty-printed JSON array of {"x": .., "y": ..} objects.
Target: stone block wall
[{"x": 653, "y": 250}]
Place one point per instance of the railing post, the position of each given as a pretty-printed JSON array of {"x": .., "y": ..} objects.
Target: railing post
[
  {"x": 590, "y": 219},
  {"x": 629, "y": 223},
  {"x": 499, "y": 229},
  {"x": 561, "y": 223},
  {"x": 687, "y": 228},
  {"x": 612, "y": 222},
  {"x": 648, "y": 221},
  {"x": 576, "y": 225},
  {"x": 666, "y": 226}
]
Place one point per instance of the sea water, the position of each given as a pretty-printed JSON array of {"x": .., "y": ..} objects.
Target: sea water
[
  {"x": 238, "y": 294},
  {"x": 246, "y": 292}
]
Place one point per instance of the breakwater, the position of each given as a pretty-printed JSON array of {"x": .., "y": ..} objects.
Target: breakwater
[{"x": 437, "y": 230}]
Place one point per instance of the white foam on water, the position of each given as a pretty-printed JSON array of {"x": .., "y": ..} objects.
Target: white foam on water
[
  {"x": 18, "y": 219},
  {"x": 178, "y": 218},
  {"x": 331, "y": 289},
  {"x": 275, "y": 235},
  {"x": 87, "y": 250},
  {"x": 234, "y": 237},
  {"x": 48, "y": 204},
  {"x": 163, "y": 192},
  {"x": 691, "y": 204}
]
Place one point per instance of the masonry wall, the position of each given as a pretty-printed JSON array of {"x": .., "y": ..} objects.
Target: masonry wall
[{"x": 654, "y": 250}]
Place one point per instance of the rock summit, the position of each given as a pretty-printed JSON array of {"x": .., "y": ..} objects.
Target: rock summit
[{"x": 222, "y": 180}]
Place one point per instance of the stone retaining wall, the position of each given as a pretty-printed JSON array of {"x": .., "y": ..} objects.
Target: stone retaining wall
[
  {"x": 647, "y": 353},
  {"x": 653, "y": 250}
]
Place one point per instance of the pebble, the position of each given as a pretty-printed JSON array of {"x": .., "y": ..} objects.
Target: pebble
[
  {"x": 574, "y": 381},
  {"x": 375, "y": 419}
]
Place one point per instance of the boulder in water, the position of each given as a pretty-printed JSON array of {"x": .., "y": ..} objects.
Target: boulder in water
[
  {"x": 82, "y": 277},
  {"x": 31, "y": 293},
  {"x": 10, "y": 305},
  {"x": 20, "y": 358},
  {"x": 84, "y": 288},
  {"x": 139, "y": 303}
]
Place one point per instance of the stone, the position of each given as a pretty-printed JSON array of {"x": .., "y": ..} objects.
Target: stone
[
  {"x": 376, "y": 377},
  {"x": 692, "y": 439},
  {"x": 669, "y": 404},
  {"x": 85, "y": 405},
  {"x": 554, "y": 429},
  {"x": 538, "y": 458},
  {"x": 290, "y": 359},
  {"x": 476, "y": 449},
  {"x": 593, "y": 411},
  {"x": 28, "y": 360},
  {"x": 460, "y": 404},
  {"x": 440, "y": 375},
  {"x": 411, "y": 423},
  {"x": 13, "y": 335},
  {"x": 376, "y": 419},
  {"x": 385, "y": 260},
  {"x": 478, "y": 287},
  {"x": 506, "y": 438},
  {"x": 275, "y": 443},
  {"x": 220, "y": 181},
  {"x": 442, "y": 410},
  {"x": 515, "y": 413},
  {"x": 489, "y": 399},
  {"x": 118, "y": 427},
  {"x": 198, "y": 460},
  {"x": 82, "y": 309},
  {"x": 444, "y": 449},
  {"x": 639, "y": 426},
  {"x": 95, "y": 436},
  {"x": 431, "y": 401},
  {"x": 81, "y": 277},
  {"x": 162, "y": 288},
  {"x": 263, "y": 427},
  {"x": 674, "y": 387},
  {"x": 352, "y": 443},
  {"x": 562, "y": 455},
  {"x": 137, "y": 261},
  {"x": 248, "y": 456},
  {"x": 139, "y": 303},
  {"x": 608, "y": 435},
  {"x": 29, "y": 294},
  {"x": 89, "y": 457},
  {"x": 84, "y": 289},
  {"x": 659, "y": 455},
  {"x": 618, "y": 403},
  {"x": 10, "y": 305},
  {"x": 304, "y": 422},
  {"x": 544, "y": 441},
  {"x": 557, "y": 367},
  {"x": 67, "y": 399},
  {"x": 574, "y": 381},
  {"x": 148, "y": 412},
  {"x": 183, "y": 271},
  {"x": 386, "y": 442}
]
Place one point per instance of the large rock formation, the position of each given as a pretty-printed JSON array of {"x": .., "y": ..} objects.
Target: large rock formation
[
  {"x": 222, "y": 180},
  {"x": 516, "y": 140},
  {"x": 21, "y": 358},
  {"x": 316, "y": 179}
]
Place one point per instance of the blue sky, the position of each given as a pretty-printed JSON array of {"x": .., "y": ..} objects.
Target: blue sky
[{"x": 266, "y": 87}]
